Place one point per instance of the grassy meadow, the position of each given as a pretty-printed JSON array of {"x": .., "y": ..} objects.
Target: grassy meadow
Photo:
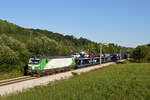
[
  {"x": 9, "y": 75},
  {"x": 130, "y": 81}
]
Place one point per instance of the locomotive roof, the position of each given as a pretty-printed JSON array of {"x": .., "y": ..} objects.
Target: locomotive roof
[{"x": 42, "y": 57}]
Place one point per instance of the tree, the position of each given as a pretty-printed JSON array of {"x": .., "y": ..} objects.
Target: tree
[
  {"x": 8, "y": 56},
  {"x": 43, "y": 46},
  {"x": 15, "y": 46},
  {"x": 142, "y": 54}
]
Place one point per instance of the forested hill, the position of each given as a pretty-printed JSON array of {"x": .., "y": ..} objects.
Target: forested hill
[
  {"x": 17, "y": 44},
  {"x": 71, "y": 43},
  {"x": 24, "y": 34}
]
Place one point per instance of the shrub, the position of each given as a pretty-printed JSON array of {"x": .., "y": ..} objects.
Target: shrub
[
  {"x": 43, "y": 46},
  {"x": 142, "y": 54},
  {"x": 7, "y": 55},
  {"x": 12, "y": 52},
  {"x": 11, "y": 43},
  {"x": 74, "y": 73}
]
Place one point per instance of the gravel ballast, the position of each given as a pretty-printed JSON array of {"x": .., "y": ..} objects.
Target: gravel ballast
[{"x": 21, "y": 86}]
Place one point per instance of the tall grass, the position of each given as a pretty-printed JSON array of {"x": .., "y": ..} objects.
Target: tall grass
[
  {"x": 117, "y": 82},
  {"x": 9, "y": 75}
]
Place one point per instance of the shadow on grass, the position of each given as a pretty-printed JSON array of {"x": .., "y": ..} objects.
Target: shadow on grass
[
  {"x": 74, "y": 74},
  {"x": 127, "y": 61},
  {"x": 120, "y": 62}
]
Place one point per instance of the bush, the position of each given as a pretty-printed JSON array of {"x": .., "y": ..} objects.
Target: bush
[
  {"x": 43, "y": 46},
  {"x": 12, "y": 52},
  {"x": 6, "y": 68},
  {"x": 142, "y": 54},
  {"x": 74, "y": 73},
  {"x": 11, "y": 43},
  {"x": 8, "y": 56}
]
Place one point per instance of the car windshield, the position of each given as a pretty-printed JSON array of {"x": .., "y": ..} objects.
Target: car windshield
[{"x": 34, "y": 62}]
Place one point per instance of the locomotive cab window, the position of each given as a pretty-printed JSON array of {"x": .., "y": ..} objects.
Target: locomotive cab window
[{"x": 34, "y": 62}]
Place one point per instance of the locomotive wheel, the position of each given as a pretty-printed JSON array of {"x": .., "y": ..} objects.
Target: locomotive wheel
[
  {"x": 39, "y": 74},
  {"x": 33, "y": 75}
]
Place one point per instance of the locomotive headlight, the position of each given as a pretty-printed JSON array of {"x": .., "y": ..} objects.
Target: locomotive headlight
[{"x": 32, "y": 67}]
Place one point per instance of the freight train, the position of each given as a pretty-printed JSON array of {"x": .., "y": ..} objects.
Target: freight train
[{"x": 46, "y": 65}]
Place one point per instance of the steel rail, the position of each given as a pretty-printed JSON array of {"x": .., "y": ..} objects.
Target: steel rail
[{"x": 15, "y": 80}]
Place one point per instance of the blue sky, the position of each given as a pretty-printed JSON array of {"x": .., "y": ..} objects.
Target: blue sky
[{"x": 123, "y": 22}]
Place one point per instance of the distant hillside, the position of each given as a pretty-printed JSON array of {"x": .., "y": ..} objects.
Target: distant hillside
[
  {"x": 24, "y": 34},
  {"x": 70, "y": 42}
]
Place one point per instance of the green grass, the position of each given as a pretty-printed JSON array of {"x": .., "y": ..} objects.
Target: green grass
[
  {"x": 12, "y": 74},
  {"x": 117, "y": 82}
]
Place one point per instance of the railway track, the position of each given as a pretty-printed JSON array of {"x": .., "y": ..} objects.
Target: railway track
[{"x": 16, "y": 80}]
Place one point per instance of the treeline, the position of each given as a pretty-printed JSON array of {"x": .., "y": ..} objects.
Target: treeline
[
  {"x": 142, "y": 53},
  {"x": 17, "y": 44},
  {"x": 13, "y": 54}
]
